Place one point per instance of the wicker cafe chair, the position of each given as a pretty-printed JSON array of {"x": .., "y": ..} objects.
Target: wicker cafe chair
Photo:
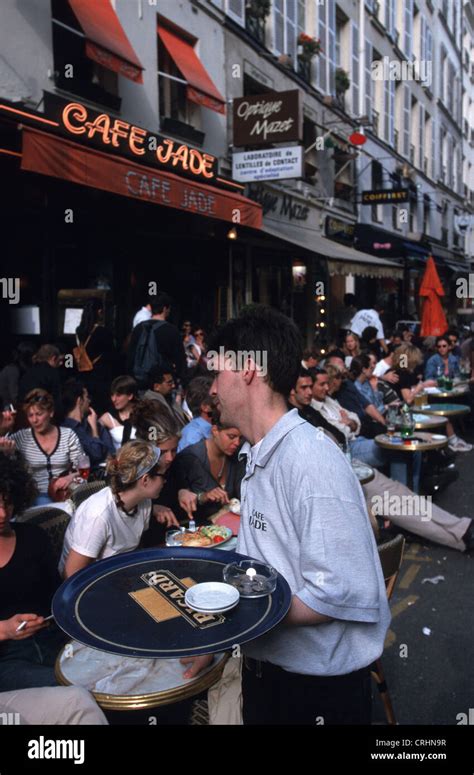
[
  {"x": 54, "y": 522},
  {"x": 391, "y": 554},
  {"x": 84, "y": 491}
]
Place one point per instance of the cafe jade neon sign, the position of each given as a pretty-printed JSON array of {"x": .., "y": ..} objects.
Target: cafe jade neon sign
[{"x": 133, "y": 141}]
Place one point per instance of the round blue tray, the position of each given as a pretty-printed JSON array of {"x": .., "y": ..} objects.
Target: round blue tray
[{"x": 132, "y": 604}]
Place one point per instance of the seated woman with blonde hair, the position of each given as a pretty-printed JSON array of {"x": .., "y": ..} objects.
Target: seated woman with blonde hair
[{"x": 113, "y": 520}]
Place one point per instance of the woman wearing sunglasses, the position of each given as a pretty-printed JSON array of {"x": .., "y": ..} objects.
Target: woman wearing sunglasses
[{"x": 113, "y": 520}]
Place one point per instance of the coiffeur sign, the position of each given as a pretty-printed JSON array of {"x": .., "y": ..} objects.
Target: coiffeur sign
[
  {"x": 114, "y": 135},
  {"x": 274, "y": 117},
  {"x": 385, "y": 197}
]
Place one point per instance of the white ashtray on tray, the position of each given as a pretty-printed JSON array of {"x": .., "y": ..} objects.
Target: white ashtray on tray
[
  {"x": 212, "y": 597},
  {"x": 251, "y": 578}
]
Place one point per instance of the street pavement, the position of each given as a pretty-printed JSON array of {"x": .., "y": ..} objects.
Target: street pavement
[{"x": 431, "y": 674}]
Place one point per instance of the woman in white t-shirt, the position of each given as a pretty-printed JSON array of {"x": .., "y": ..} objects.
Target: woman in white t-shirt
[{"x": 112, "y": 521}]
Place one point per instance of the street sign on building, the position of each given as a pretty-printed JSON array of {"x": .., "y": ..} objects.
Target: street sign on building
[
  {"x": 263, "y": 119},
  {"x": 271, "y": 164},
  {"x": 385, "y": 197}
]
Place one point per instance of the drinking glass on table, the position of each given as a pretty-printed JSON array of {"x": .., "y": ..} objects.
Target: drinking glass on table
[
  {"x": 84, "y": 467},
  {"x": 465, "y": 368},
  {"x": 391, "y": 421}
]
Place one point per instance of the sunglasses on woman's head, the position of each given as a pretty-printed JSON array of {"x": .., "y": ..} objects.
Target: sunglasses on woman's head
[{"x": 38, "y": 399}]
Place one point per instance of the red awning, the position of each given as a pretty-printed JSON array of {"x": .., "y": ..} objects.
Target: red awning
[
  {"x": 50, "y": 155},
  {"x": 106, "y": 42},
  {"x": 200, "y": 88}
]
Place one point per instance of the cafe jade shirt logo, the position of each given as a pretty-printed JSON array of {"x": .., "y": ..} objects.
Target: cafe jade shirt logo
[{"x": 257, "y": 521}]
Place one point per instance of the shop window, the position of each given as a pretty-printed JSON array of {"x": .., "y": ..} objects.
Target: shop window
[{"x": 74, "y": 72}]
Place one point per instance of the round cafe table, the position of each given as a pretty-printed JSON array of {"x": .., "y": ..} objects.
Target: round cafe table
[
  {"x": 426, "y": 422},
  {"x": 126, "y": 684},
  {"x": 364, "y": 472},
  {"x": 457, "y": 391},
  {"x": 420, "y": 442},
  {"x": 446, "y": 410}
]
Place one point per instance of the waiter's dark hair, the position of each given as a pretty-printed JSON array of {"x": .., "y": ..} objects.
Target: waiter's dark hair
[{"x": 262, "y": 329}]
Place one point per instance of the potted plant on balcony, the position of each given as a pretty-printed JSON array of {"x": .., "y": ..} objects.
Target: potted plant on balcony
[
  {"x": 258, "y": 8},
  {"x": 308, "y": 47},
  {"x": 342, "y": 81}
]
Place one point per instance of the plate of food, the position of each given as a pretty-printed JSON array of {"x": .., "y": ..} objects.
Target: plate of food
[{"x": 204, "y": 537}]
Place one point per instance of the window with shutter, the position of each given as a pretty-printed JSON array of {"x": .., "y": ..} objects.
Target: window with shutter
[
  {"x": 391, "y": 131},
  {"x": 406, "y": 120},
  {"x": 421, "y": 137},
  {"x": 427, "y": 143},
  {"x": 442, "y": 73},
  {"x": 355, "y": 69},
  {"x": 391, "y": 17},
  {"x": 429, "y": 51},
  {"x": 285, "y": 27},
  {"x": 290, "y": 24},
  {"x": 368, "y": 79},
  {"x": 322, "y": 59},
  {"x": 408, "y": 28},
  {"x": 434, "y": 148},
  {"x": 235, "y": 9},
  {"x": 422, "y": 39},
  {"x": 279, "y": 26},
  {"x": 331, "y": 47},
  {"x": 301, "y": 16}
]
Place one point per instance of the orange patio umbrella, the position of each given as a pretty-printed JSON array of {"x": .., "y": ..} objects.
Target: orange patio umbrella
[{"x": 433, "y": 319}]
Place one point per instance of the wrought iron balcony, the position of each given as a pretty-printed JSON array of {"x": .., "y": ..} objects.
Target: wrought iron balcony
[{"x": 255, "y": 26}]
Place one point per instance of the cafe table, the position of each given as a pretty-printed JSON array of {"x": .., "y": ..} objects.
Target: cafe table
[
  {"x": 364, "y": 472},
  {"x": 457, "y": 391},
  {"x": 446, "y": 410},
  {"x": 127, "y": 618},
  {"x": 133, "y": 605},
  {"x": 426, "y": 422},
  {"x": 421, "y": 441}
]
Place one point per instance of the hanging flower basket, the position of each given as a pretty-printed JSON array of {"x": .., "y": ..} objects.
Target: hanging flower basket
[
  {"x": 308, "y": 47},
  {"x": 342, "y": 81}
]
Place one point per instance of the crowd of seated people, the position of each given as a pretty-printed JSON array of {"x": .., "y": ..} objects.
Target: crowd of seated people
[{"x": 167, "y": 458}]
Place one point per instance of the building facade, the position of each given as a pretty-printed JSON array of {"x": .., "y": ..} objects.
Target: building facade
[{"x": 398, "y": 72}]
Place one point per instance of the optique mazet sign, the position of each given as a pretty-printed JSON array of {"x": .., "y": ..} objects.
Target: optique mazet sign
[{"x": 274, "y": 117}]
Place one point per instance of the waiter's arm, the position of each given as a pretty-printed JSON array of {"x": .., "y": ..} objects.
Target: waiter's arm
[{"x": 301, "y": 615}]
